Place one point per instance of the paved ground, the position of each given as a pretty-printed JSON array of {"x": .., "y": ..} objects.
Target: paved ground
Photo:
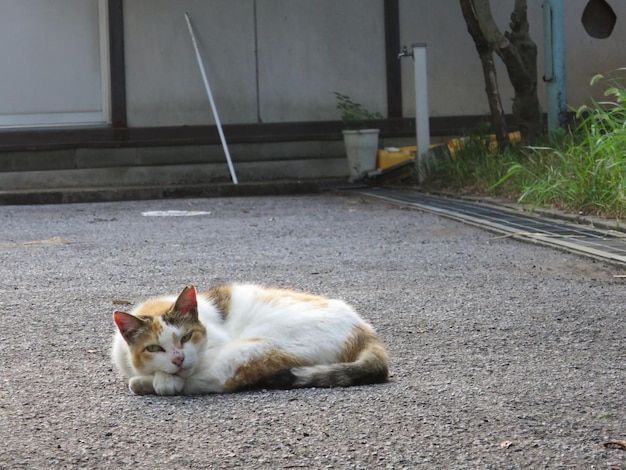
[{"x": 504, "y": 354}]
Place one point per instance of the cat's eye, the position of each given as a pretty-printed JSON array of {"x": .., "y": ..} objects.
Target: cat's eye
[
  {"x": 154, "y": 348},
  {"x": 186, "y": 338}
]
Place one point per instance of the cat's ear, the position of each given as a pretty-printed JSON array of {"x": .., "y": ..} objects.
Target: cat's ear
[
  {"x": 187, "y": 303},
  {"x": 128, "y": 324}
]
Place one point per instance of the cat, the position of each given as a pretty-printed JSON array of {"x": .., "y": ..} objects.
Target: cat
[{"x": 239, "y": 337}]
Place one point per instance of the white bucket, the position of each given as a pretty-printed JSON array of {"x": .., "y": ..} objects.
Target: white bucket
[{"x": 361, "y": 149}]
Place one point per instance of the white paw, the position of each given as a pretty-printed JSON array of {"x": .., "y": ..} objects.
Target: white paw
[
  {"x": 167, "y": 384},
  {"x": 141, "y": 385}
]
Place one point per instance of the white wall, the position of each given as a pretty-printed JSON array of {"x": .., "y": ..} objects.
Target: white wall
[
  {"x": 267, "y": 60},
  {"x": 303, "y": 50},
  {"x": 454, "y": 70},
  {"x": 309, "y": 49},
  {"x": 456, "y": 86},
  {"x": 54, "y": 61},
  {"x": 163, "y": 82},
  {"x": 586, "y": 56}
]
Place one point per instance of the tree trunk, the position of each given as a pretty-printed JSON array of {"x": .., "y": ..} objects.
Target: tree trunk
[
  {"x": 485, "y": 53},
  {"x": 522, "y": 69},
  {"x": 519, "y": 54}
]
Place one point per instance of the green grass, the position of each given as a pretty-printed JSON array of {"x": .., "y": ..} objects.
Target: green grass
[
  {"x": 583, "y": 170},
  {"x": 474, "y": 169}
]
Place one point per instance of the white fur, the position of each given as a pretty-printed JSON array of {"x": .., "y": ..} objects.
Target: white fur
[{"x": 304, "y": 329}]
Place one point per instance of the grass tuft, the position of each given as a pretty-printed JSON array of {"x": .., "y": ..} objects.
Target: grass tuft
[{"x": 582, "y": 170}]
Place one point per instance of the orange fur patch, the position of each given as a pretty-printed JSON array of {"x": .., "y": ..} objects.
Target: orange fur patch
[
  {"x": 275, "y": 295},
  {"x": 255, "y": 370},
  {"x": 152, "y": 329},
  {"x": 250, "y": 340},
  {"x": 221, "y": 297},
  {"x": 154, "y": 308},
  {"x": 198, "y": 333},
  {"x": 361, "y": 339},
  {"x": 138, "y": 351}
]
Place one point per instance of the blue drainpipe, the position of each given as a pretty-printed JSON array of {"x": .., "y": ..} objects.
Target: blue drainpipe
[{"x": 554, "y": 38}]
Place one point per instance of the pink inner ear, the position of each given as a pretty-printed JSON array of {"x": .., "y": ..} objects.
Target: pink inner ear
[
  {"x": 187, "y": 302},
  {"x": 120, "y": 319},
  {"x": 126, "y": 323}
]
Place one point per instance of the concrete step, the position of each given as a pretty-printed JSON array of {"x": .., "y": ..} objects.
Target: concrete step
[
  {"x": 160, "y": 175},
  {"x": 104, "y": 194}
]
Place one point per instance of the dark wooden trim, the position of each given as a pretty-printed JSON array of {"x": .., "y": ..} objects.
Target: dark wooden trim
[
  {"x": 392, "y": 48},
  {"x": 42, "y": 139},
  {"x": 117, "y": 64}
]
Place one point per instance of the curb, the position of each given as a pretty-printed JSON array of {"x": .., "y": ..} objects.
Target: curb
[
  {"x": 111, "y": 194},
  {"x": 546, "y": 213}
]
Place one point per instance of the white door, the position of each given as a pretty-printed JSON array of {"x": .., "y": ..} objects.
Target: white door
[{"x": 54, "y": 63}]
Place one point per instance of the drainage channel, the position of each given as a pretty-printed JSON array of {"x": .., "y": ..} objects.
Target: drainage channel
[{"x": 603, "y": 244}]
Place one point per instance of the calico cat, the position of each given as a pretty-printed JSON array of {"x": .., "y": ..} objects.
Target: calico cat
[{"x": 238, "y": 337}]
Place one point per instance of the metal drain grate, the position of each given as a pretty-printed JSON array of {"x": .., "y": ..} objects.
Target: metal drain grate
[{"x": 605, "y": 244}]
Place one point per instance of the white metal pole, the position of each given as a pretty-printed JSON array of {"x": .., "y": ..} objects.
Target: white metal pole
[
  {"x": 422, "y": 124},
  {"x": 210, "y": 95}
]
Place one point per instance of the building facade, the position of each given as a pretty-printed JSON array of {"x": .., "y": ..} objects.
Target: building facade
[{"x": 98, "y": 90}]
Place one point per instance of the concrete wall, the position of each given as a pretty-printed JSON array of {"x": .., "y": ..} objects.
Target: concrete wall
[
  {"x": 586, "y": 56},
  {"x": 266, "y": 60},
  {"x": 54, "y": 63},
  {"x": 454, "y": 70},
  {"x": 281, "y": 60},
  {"x": 309, "y": 49},
  {"x": 163, "y": 82}
]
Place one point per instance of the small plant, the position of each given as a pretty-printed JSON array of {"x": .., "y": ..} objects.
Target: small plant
[{"x": 353, "y": 114}]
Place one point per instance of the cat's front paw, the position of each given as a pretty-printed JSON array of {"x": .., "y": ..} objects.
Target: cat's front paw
[
  {"x": 167, "y": 384},
  {"x": 141, "y": 385}
]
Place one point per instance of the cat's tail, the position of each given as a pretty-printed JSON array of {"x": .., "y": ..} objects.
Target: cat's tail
[{"x": 369, "y": 366}]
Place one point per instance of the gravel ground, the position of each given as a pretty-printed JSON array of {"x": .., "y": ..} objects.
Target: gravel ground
[{"x": 503, "y": 354}]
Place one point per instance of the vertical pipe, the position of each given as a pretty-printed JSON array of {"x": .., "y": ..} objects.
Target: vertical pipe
[
  {"x": 257, "y": 85},
  {"x": 231, "y": 168},
  {"x": 422, "y": 124},
  {"x": 393, "y": 67},
  {"x": 117, "y": 64},
  {"x": 555, "y": 75}
]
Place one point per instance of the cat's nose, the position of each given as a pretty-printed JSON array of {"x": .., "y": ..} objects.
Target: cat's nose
[{"x": 178, "y": 357}]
